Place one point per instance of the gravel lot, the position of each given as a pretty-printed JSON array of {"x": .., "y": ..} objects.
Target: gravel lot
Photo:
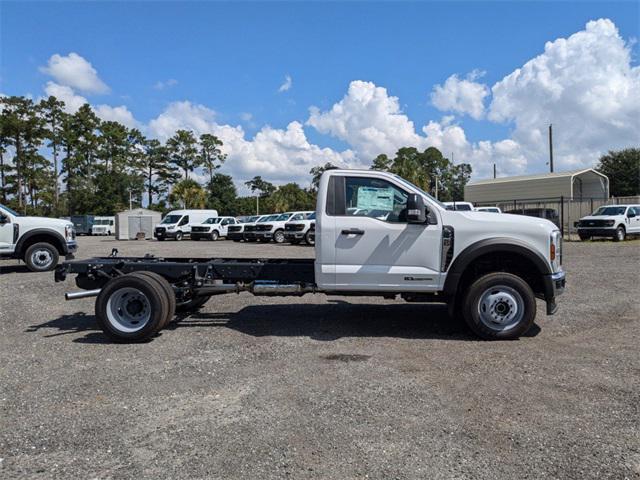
[{"x": 321, "y": 387}]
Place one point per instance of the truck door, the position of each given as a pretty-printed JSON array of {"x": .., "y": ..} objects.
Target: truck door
[
  {"x": 375, "y": 247},
  {"x": 6, "y": 233}
]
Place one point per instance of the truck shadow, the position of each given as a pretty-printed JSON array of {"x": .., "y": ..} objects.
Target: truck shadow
[
  {"x": 14, "y": 269},
  {"x": 322, "y": 322}
]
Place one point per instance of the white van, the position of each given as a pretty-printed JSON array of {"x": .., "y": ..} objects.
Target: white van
[
  {"x": 177, "y": 223},
  {"x": 103, "y": 226}
]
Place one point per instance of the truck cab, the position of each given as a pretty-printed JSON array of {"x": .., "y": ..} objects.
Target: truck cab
[
  {"x": 103, "y": 226},
  {"x": 212, "y": 228}
]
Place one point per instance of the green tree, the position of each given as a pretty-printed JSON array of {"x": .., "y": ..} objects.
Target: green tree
[
  {"x": 159, "y": 173},
  {"x": 53, "y": 113},
  {"x": 112, "y": 146},
  {"x": 183, "y": 151},
  {"x": 257, "y": 184},
  {"x": 290, "y": 197},
  {"x": 382, "y": 163},
  {"x": 222, "y": 194},
  {"x": 316, "y": 174},
  {"x": 623, "y": 169},
  {"x": 188, "y": 194},
  {"x": 211, "y": 156},
  {"x": 6, "y": 169}
]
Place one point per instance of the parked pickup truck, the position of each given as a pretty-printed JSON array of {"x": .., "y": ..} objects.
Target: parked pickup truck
[
  {"x": 613, "y": 221},
  {"x": 39, "y": 241},
  {"x": 298, "y": 229},
  {"x": 273, "y": 228},
  {"x": 488, "y": 268}
]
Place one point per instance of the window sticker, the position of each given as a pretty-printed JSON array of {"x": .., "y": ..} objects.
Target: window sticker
[{"x": 372, "y": 198}]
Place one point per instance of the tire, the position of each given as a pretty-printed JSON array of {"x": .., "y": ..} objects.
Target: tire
[
  {"x": 132, "y": 308},
  {"x": 161, "y": 239},
  {"x": 179, "y": 236},
  {"x": 308, "y": 240},
  {"x": 168, "y": 290},
  {"x": 499, "y": 306},
  {"x": 278, "y": 236},
  {"x": 584, "y": 238},
  {"x": 620, "y": 235},
  {"x": 41, "y": 257},
  {"x": 215, "y": 235},
  {"x": 192, "y": 305}
]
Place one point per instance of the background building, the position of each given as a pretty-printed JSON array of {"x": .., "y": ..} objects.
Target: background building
[{"x": 132, "y": 222}]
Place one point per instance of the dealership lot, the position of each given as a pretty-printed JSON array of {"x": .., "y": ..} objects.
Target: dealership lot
[{"x": 318, "y": 387}]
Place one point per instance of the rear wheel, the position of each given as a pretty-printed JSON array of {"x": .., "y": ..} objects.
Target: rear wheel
[
  {"x": 132, "y": 308},
  {"x": 620, "y": 235},
  {"x": 41, "y": 257},
  {"x": 499, "y": 306},
  {"x": 278, "y": 236},
  {"x": 168, "y": 290}
]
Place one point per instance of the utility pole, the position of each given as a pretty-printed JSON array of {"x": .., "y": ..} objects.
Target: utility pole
[
  {"x": 551, "y": 147},
  {"x": 494, "y": 170},
  {"x": 436, "y": 187},
  {"x": 130, "y": 201},
  {"x": 257, "y": 204}
]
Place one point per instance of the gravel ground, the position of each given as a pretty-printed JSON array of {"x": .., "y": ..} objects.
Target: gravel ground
[{"x": 322, "y": 387}]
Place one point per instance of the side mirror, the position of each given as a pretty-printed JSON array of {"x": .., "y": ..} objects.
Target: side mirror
[
  {"x": 416, "y": 211},
  {"x": 3, "y": 219}
]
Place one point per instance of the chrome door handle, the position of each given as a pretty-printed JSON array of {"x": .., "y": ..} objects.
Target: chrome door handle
[{"x": 353, "y": 231}]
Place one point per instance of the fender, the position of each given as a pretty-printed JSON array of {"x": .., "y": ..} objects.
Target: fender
[
  {"x": 59, "y": 241},
  {"x": 490, "y": 245}
]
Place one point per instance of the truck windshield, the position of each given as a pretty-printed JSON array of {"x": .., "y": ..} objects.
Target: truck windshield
[
  {"x": 171, "y": 219},
  {"x": 212, "y": 220},
  {"x": 283, "y": 217},
  {"x": 602, "y": 211},
  {"x": 8, "y": 210},
  {"x": 270, "y": 218},
  {"x": 298, "y": 216},
  {"x": 406, "y": 182}
]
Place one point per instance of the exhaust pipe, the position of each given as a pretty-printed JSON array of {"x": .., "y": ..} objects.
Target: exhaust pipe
[
  {"x": 82, "y": 294},
  {"x": 269, "y": 288}
]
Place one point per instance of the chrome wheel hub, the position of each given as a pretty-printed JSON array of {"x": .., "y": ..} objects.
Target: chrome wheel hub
[
  {"x": 41, "y": 258},
  {"x": 501, "y": 308},
  {"x": 128, "y": 310}
]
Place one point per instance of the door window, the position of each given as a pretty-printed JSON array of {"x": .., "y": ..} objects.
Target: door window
[
  {"x": 184, "y": 220},
  {"x": 375, "y": 198}
]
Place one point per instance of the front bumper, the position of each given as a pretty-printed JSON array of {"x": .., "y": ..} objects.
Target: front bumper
[
  {"x": 597, "y": 232},
  {"x": 554, "y": 285},
  {"x": 165, "y": 234},
  {"x": 199, "y": 235},
  {"x": 293, "y": 236},
  {"x": 264, "y": 235},
  {"x": 235, "y": 236},
  {"x": 71, "y": 248}
]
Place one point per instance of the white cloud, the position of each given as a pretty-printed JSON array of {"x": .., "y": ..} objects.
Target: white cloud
[
  {"x": 464, "y": 96},
  {"x": 161, "y": 85},
  {"x": 76, "y": 72},
  {"x": 369, "y": 120},
  {"x": 119, "y": 114},
  {"x": 584, "y": 85},
  {"x": 72, "y": 101},
  {"x": 278, "y": 154},
  {"x": 287, "y": 84}
]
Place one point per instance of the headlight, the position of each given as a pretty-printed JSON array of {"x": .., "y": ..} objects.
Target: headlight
[
  {"x": 69, "y": 233},
  {"x": 610, "y": 223},
  {"x": 555, "y": 250}
]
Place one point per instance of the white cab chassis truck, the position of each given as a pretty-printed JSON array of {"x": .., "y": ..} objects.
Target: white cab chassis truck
[
  {"x": 39, "y": 241},
  {"x": 376, "y": 235}
]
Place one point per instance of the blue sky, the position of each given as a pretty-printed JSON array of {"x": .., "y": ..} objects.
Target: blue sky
[{"x": 233, "y": 57}]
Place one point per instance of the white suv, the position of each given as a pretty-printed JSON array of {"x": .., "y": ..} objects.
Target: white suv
[
  {"x": 614, "y": 221},
  {"x": 274, "y": 227},
  {"x": 39, "y": 241},
  {"x": 212, "y": 228},
  {"x": 299, "y": 228}
]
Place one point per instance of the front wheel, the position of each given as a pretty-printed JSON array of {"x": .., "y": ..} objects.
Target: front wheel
[
  {"x": 309, "y": 238},
  {"x": 178, "y": 236},
  {"x": 620, "y": 235},
  {"x": 41, "y": 257},
  {"x": 215, "y": 235},
  {"x": 278, "y": 236},
  {"x": 499, "y": 306},
  {"x": 584, "y": 238}
]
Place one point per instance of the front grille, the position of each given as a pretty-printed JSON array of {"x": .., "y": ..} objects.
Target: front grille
[
  {"x": 160, "y": 229},
  {"x": 200, "y": 229},
  {"x": 250, "y": 228},
  {"x": 263, "y": 228},
  {"x": 236, "y": 228},
  {"x": 593, "y": 223},
  {"x": 294, "y": 227}
]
